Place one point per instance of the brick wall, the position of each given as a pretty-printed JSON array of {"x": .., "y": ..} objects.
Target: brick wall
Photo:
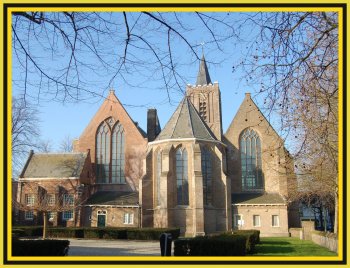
[
  {"x": 194, "y": 218},
  {"x": 135, "y": 142},
  {"x": 50, "y": 186},
  {"x": 308, "y": 227},
  {"x": 210, "y": 95},
  {"x": 266, "y": 213},
  {"x": 328, "y": 240},
  {"x": 114, "y": 216},
  {"x": 296, "y": 232},
  {"x": 274, "y": 158}
]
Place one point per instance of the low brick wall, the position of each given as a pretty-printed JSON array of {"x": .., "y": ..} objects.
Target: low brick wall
[
  {"x": 308, "y": 227},
  {"x": 303, "y": 233},
  {"x": 328, "y": 240},
  {"x": 296, "y": 232}
]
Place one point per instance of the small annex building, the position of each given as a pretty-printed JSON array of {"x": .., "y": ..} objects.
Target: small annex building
[
  {"x": 54, "y": 183},
  {"x": 190, "y": 174}
]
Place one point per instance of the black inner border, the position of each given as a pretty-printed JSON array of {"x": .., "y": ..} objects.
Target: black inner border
[{"x": 5, "y": 8}]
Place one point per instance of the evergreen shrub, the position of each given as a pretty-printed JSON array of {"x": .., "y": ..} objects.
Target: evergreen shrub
[
  {"x": 40, "y": 247},
  {"x": 23, "y": 231},
  {"x": 97, "y": 233},
  {"x": 223, "y": 245},
  {"x": 252, "y": 236}
]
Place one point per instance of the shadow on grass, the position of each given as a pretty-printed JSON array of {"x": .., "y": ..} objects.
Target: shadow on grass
[
  {"x": 275, "y": 243},
  {"x": 273, "y": 248}
]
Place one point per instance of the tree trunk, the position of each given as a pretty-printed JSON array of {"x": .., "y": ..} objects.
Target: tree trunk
[
  {"x": 336, "y": 211},
  {"x": 45, "y": 225}
]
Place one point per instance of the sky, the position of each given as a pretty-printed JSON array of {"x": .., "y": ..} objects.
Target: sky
[{"x": 58, "y": 118}]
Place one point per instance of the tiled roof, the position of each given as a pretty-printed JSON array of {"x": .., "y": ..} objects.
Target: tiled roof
[
  {"x": 203, "y": 77},
  {"x": 49, "y": 165},
  {"x": 114, "y": 198},
  {"x": 186, "y": 123},
  {"x": 255, "y": 198}
]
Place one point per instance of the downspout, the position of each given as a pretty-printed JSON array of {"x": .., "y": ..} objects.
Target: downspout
[{"x": 140, "y": 216}]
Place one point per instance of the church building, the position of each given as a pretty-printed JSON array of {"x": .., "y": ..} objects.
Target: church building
[{"x": 188, "y": 175}]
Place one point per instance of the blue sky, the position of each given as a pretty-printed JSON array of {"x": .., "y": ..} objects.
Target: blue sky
[
  {"x": 136, "y": 91},
  {"x": 59, "y": 120}
]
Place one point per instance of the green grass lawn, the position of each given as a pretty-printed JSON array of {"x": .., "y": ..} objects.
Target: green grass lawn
[{"x": 289, "y": 246}]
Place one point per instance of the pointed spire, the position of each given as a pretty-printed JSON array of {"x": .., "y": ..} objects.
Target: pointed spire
[{"x": 203, "y": 77}]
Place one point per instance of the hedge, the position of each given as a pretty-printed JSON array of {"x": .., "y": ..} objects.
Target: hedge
[
  {"x": 98, "y": 233},
  {"x": 40, "y": 247},
  {"x": 252, "y": 236},
  {"x": 255, "y": 234},
  {"x": 235, "y": 243},
  {"x": 151, "y": 233},
  {"x": 224, "y": 245},
  {"x": 27, "y": 231}
]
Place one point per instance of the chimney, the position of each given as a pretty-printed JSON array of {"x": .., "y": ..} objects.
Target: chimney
[{"x": 153, "y": 127}]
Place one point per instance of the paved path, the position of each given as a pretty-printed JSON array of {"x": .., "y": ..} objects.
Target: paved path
[{"x": 85, "y": 247}]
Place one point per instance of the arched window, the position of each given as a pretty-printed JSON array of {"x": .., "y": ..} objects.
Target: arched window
[
  {"x": 118, "y": 161},
  {"x": 103, "y": 138},
  {"x": 207, "y": 176},
  {"x": 250, "y": 147},
  {"x": 182, "y": 177},
  {"x": 158, "y": 175},
  {"x": 110, "y": 157}
]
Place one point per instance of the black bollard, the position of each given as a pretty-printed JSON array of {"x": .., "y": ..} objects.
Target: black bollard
[{"x": 165, "y": 244}]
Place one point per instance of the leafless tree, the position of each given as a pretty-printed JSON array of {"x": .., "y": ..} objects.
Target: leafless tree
[
  {"x": 61, "y": 55},
  {"x": 24, "y": 130},
  {"x": 291, "y": 58},
  {"x": 47, "y": 197},
  {"x": 44, "y": 146},
  {"x": 50, "y": 198},
  {"x": 66, "y": 144},
  {"x": 293, "y": 61}
]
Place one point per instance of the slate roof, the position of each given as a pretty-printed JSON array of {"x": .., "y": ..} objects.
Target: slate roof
[
  {"x": 256, "y": 199},
  {"x": 114, "y": 198},
  {"x": 203, "y": 77},
  {"x": 50, "y": 165},
  {"x": 186, "y": 123}
]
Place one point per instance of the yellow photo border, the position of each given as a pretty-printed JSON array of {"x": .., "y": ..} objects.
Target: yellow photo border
[{"x": 179, "y": 6}]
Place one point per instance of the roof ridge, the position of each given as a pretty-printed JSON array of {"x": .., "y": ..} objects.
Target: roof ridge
[
  {"x": 189, "y": 113},
  {"x": 60, "y": 153},
  {"x": 203, "y": 122},
  {"x": 178, "y": 116},
  {"x": 184, "y": 124}
]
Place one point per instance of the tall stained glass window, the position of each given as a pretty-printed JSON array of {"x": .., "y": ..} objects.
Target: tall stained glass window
[
  {"x": 118, "y": 157},
  {"x": 207, "y": 176},
  {"x": 182, "y": 177},
  {"x": 250, "y": 147},
  {"x": 110, "y": 152}
]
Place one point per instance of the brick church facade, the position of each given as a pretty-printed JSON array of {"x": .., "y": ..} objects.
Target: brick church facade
[{"x": 188, "y": 175}]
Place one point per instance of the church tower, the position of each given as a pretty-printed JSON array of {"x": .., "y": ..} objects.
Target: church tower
[{"x": 205, "y": 96}]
